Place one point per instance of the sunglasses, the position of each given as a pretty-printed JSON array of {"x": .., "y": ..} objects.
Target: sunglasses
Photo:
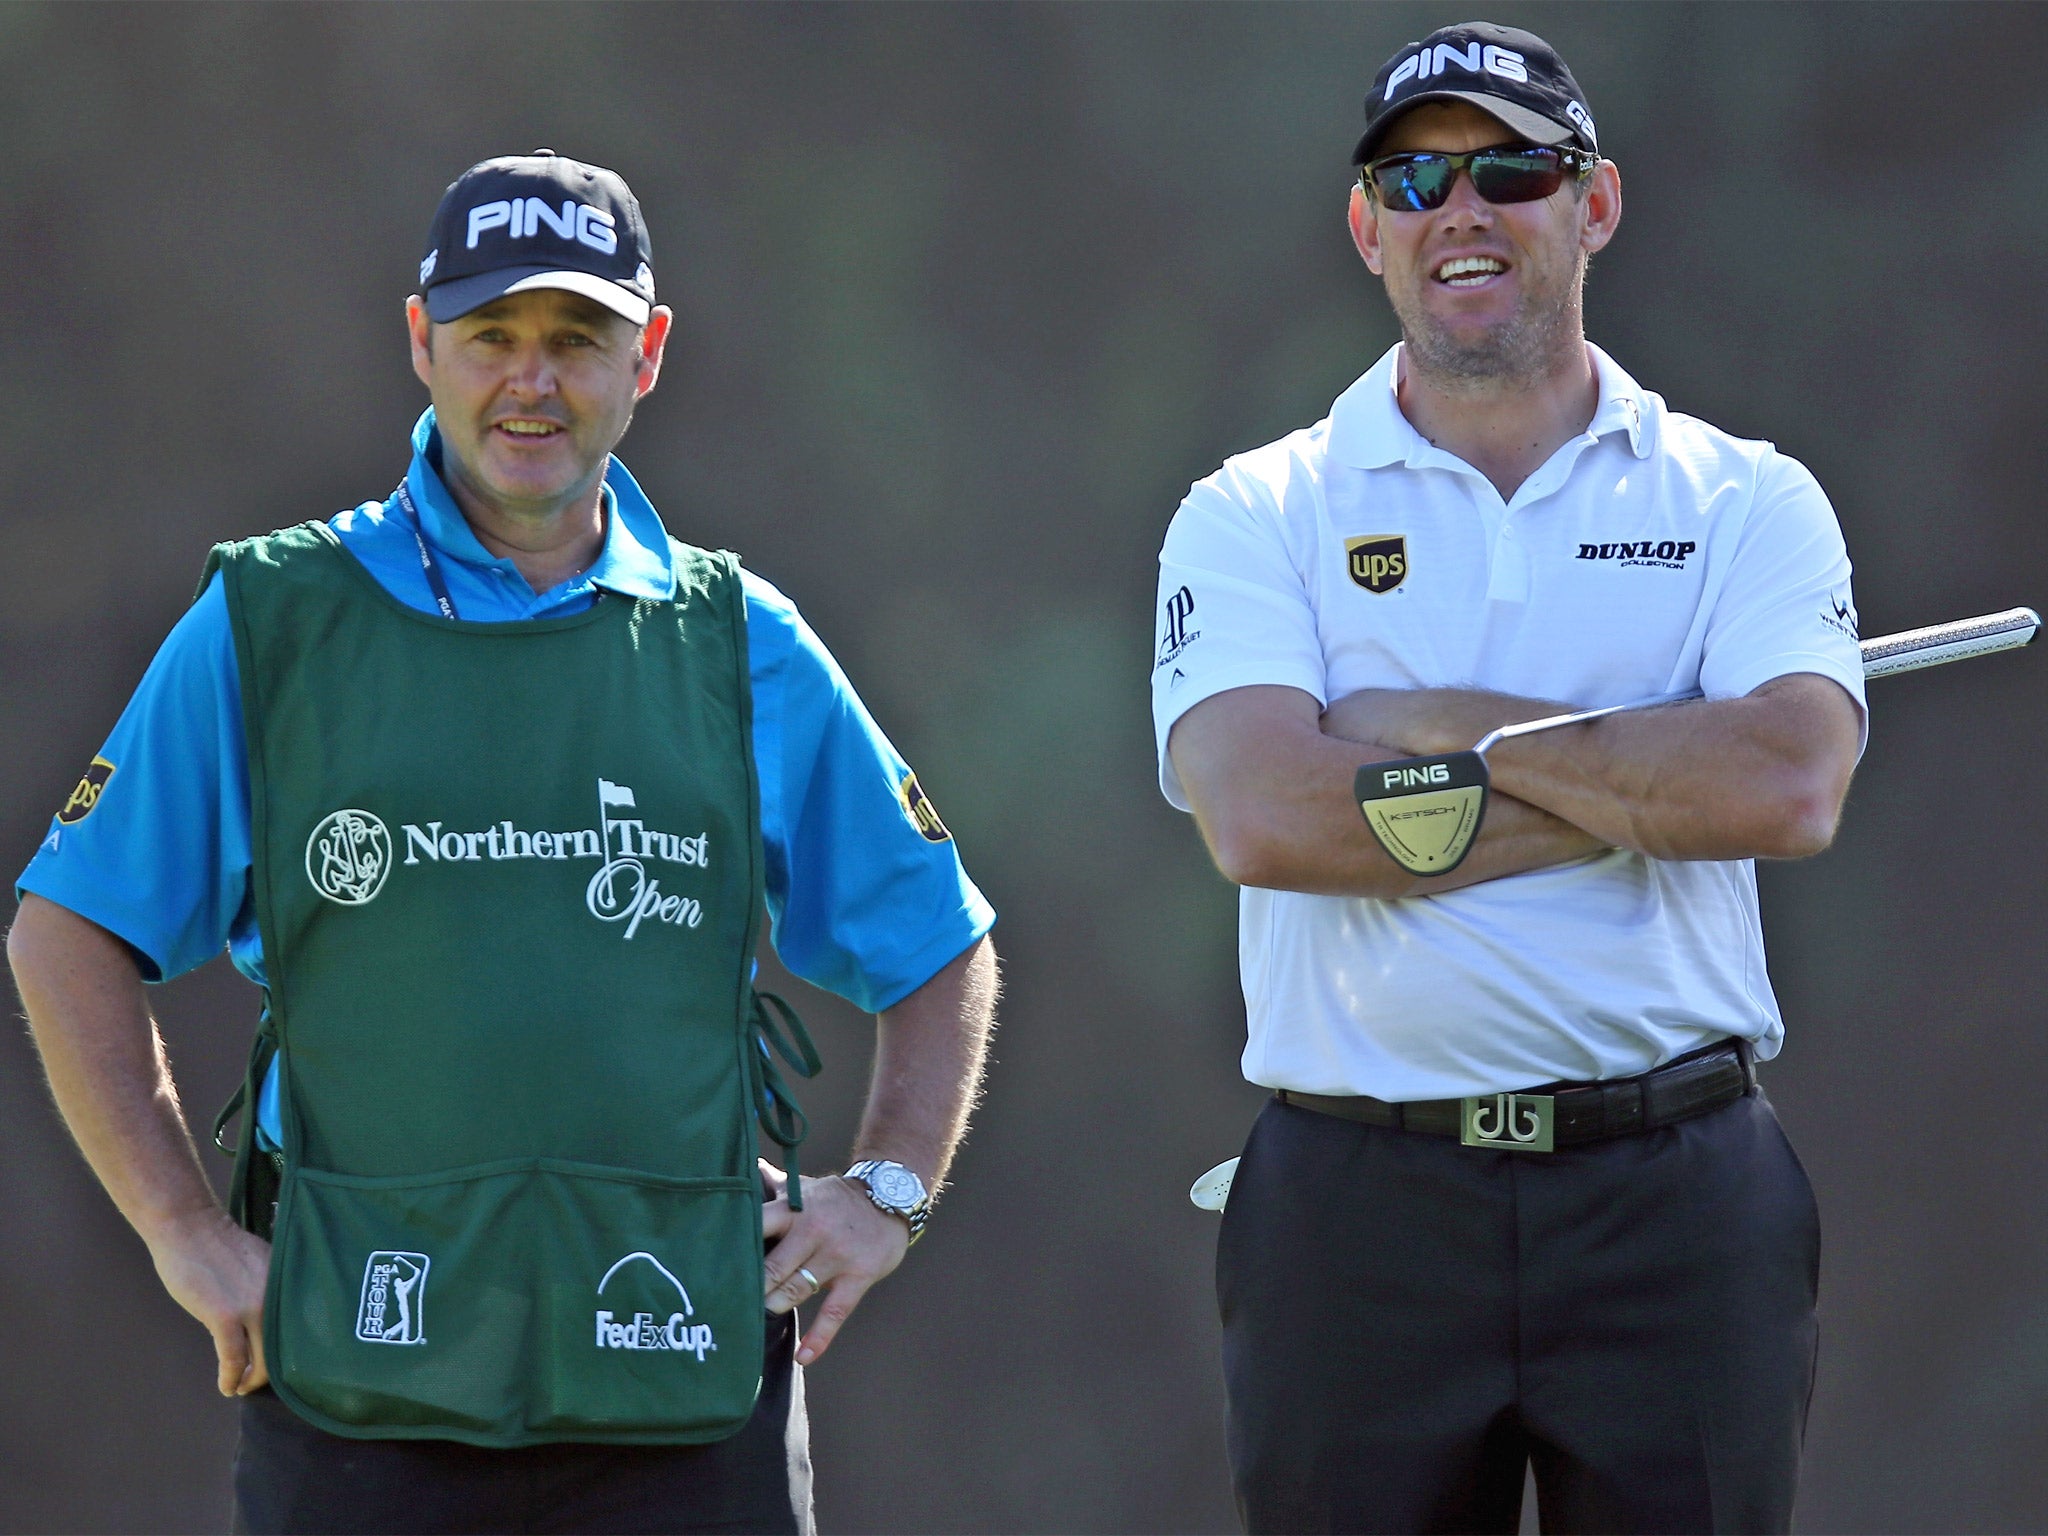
[{"x": 1521, "y": 173}]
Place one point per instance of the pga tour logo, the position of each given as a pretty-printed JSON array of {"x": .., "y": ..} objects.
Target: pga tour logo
[
  {"x": 648, "y": 1329},
  {"x": 350, "y": 855},
  {"x": 394, "y": 1290}
]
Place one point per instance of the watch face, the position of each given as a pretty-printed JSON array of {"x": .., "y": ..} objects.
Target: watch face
[{"x": 897, "y": 1187}]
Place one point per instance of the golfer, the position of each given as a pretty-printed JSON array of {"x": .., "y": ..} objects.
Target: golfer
[
  {"x": 488, "y": 784},
  {"x": 1516, "y": 1200}
]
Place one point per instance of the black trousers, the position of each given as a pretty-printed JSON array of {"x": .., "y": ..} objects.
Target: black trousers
[
  {"x": 292, "y": 1477},
  {"x": 1408, "y": 1323}
]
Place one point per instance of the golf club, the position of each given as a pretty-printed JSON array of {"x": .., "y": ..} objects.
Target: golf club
[{"x": 1427, "y": 811}]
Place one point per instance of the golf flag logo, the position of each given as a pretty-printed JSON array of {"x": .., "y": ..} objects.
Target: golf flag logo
[
  {"x": 622, "y": 890},
  {"x": 1378, "y": 561},
  {"x": 394, "y": 1294}
]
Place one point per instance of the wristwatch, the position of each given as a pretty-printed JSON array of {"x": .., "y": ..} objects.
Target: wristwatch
[{"x": 895, "y": 1189}]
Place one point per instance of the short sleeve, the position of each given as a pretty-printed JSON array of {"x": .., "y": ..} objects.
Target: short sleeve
[
  {"x": 1786, "y": 605},
  {"x": 1233, "y": 611},
  {"x": 867, "y": 896},
  {"x": 161, "y": 857}
]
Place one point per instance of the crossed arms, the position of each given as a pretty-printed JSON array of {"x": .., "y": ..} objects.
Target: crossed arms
[{"x": 1269, "y": 776}]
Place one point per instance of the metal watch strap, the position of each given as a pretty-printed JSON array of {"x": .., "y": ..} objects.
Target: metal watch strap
[{"x": 915, "y": 1214}]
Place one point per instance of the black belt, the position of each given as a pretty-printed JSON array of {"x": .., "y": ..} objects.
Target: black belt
[{"x": 1562, "y": 1114}]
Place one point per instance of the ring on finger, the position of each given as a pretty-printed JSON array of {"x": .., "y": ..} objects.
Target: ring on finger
[{"x": 817, "y": 1285}]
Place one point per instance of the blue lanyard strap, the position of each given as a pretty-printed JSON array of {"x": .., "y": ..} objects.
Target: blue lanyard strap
[{"x": 428, "y": 563}]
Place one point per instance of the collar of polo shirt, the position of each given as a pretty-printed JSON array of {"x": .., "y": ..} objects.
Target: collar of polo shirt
[
  {"x": 1368, "y": 431},
  {"x": 634, "y": 561}
]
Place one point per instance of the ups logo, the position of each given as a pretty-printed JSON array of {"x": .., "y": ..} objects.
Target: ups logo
[
  {"x": 922, "y": 813},
  {"x": 1379, "y": 561},
  {"x": 87, "y": 795}
]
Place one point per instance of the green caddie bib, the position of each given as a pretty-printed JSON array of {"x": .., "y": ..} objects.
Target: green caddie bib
[{"x": 508, "y": 878}]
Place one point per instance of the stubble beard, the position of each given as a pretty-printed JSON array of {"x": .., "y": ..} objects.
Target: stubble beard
[{"x": 1543, "y": 337}]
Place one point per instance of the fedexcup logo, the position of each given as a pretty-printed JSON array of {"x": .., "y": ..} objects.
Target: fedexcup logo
[
  {"x": 348, "y": 857},
  {"x": 648, "y": 1329}
]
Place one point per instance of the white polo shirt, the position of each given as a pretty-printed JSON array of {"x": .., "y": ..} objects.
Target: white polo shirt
[{"x": 1652, "y": 553}]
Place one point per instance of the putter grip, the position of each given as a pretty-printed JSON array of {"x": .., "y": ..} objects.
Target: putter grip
[
  {"x": 1907, "y": 651},
  {"x": 1912, "y": 649}
]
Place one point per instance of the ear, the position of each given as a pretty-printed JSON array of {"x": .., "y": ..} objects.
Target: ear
[
  {"x": 1365, "y": 231},
  {"x": 421, "y": 328},
  {"x": 1602, "y": 207},
  {"x": 653, "y": 347}
]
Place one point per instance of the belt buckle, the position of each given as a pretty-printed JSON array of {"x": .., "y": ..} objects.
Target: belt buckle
[{"x": 1509, "y": 1122}]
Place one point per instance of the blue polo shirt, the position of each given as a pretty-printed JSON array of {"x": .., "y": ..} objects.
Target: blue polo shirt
[{"x": 861, "y": 901}]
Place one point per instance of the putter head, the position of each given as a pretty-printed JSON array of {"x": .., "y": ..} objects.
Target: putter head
[{"x": 1425, "y": 811}]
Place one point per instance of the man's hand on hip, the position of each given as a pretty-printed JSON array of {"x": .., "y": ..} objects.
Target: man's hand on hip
[
  {"x": 111, "y": 1078},
  {"x": 841, "y": 1237},
  {"x": 217, "y": 1272}
]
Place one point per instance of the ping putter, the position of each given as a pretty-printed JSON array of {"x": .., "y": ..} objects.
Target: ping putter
[{"x": 1426, "y": 811}]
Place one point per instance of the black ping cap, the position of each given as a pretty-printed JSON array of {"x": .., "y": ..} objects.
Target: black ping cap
[
  {"x": 537, "y": 221},
  {"x": 1511, "y": 74}
]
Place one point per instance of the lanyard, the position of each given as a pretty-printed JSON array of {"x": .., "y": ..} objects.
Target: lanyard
[{"x": 428, "y": 563}]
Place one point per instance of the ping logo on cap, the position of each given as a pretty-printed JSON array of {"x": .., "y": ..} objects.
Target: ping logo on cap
[
  {"x": 521, "y": 218},
  {"x": 1472, "y": 59},
  {"x": 538, "y": 221}
]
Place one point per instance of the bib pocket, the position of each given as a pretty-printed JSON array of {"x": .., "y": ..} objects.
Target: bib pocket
[{"x": 518, "y": 1302}]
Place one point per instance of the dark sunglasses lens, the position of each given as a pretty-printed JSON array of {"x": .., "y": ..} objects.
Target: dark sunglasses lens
[
  {"x": 1520, "y": 177},
  {"x": 1415, "y": 183}
]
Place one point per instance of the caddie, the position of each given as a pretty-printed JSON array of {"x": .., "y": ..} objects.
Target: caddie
[
  {"x": 1516, "y": 1201},
  {"x": 488, "y": 785}
]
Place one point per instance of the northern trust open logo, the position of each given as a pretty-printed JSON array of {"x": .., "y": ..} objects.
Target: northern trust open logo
[{"x": 351, "y": 853}]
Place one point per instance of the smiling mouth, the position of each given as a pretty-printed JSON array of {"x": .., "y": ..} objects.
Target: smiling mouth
[
  {"x": 1469, "y": 271},
  {"x": 530, "y": 429}
]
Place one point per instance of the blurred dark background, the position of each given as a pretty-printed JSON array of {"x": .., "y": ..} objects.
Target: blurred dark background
[{"x": 967, "y": 296}]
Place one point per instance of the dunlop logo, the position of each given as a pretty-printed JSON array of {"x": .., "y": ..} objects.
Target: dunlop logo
[{"x": 1379, "y": 561}]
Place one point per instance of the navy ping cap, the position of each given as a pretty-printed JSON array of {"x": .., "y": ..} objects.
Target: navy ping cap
[
  {"x": 521, "y": 222},
  {"x": 1510, "y": 74}
]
